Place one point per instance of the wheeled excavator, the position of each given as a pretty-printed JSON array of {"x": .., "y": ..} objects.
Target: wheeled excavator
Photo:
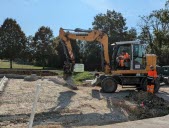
[{"x": 135, "y": 71}]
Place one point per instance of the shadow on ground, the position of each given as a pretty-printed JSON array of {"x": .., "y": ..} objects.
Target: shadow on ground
[
  {"x": 163, "y": 93},
  {"x": 66, "y": 120},
  {"x": 61, "y": 115},
  {"x": 63, "y": 100}
]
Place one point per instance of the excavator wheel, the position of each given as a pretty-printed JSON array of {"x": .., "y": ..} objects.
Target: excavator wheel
[
  {"x": 108, "y": 85},
  {"x": 156, "y": 85}
]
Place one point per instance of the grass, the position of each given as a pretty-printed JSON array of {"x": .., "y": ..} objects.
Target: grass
[
  {"x": 6, "y": 64},
  {"x": 77, "y": 77},
  {"x": 80, "y": 77}
]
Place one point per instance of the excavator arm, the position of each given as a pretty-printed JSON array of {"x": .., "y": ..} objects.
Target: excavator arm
[{"x": 89, "y": 36}]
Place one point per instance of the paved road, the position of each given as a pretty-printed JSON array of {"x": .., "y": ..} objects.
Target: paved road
[{"x": 159, "y": 122}]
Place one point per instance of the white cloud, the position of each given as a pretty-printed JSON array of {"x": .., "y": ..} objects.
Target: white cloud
[{"x": 99, "y": 5}]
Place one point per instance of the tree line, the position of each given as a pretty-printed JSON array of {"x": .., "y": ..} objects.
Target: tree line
[{"x": 43, "y": 49}]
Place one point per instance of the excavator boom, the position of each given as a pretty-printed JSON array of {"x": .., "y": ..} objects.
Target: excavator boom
[{"x": 87, "y": 35}]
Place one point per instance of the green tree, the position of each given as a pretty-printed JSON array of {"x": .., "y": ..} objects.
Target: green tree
[
  {"x": 12, "y": 40},
  {"x": 114, "y": 25},
  {"x": 42, "y": 43},
  {"x": 92, "y": 56},
  {"x": 76, "y": 50},
  {"x": 167, "y": 4},
  {"x": 131, "y": 34},
  {"x": 29, "y": 52},
  {"x": 155, "y": 31},
  {"x": 60, "y": 56}
]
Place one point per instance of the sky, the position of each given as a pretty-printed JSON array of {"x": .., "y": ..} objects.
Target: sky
[{"x": 71, "y": 14}]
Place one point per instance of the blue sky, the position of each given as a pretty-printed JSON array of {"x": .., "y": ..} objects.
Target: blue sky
[{"x": 31, "y": 14}]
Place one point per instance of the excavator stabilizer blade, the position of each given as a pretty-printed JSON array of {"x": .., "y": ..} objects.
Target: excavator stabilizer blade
[{"x": 96, "y": 82}]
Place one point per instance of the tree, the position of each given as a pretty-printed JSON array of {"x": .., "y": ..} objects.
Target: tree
[
  {"x": 114, "y": 25},
  {"x": 155, "y": 31},
  {"x": 92, "y": 56},
  {"x": 131, "y": 34},
  {"x": 29, "y": 51},
  {"x": 167, "y": 4},
  {"x": 60, "y": 53},
  {"x": 12, "y": 40},
  {"x": 59, "y": 56},
  {"x": 76, "y": 50},
  {"x": 43, "y": 44}
]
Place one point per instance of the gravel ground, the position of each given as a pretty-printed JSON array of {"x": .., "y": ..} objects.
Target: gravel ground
[{"x": 59, "y": 106}]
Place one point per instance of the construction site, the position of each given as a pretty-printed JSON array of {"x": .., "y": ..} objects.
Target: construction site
[
  {"x": 59, "y": 106},
  {"x": 130, "y": 87},
  {"x": 103, "y": 64}
]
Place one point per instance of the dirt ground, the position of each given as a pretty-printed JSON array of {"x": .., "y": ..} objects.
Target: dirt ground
[{"x": 59, "y": 106}]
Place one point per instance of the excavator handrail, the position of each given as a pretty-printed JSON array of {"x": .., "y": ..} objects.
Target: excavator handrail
[{"x": 78, "y": 30}]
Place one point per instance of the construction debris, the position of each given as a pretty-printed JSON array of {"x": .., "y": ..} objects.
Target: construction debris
[
  {"x": 32, "y": 77},
  {"x": 148, "y": 105}
]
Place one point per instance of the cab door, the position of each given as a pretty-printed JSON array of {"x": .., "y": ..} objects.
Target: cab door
[
  {"x": 139, "y": 58},
  {"x": 116, "y": 56}
]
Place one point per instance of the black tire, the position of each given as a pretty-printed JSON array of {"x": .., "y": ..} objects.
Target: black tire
[
  {"x": 156, "y": 85},
  {"x": 108, "y": 85}
]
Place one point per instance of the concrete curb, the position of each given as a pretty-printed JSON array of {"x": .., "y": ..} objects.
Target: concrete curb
[
  {"x": 15, "y": 76},
  {"x": 3, "y": 83}
]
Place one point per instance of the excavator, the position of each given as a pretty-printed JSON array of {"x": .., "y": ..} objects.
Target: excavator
[{"x": 134, "y": 72}]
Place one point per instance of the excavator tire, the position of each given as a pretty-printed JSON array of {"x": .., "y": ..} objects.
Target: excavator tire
[
  {"x": 108, "y": 85},
  {"x": 156, "y": 85}
]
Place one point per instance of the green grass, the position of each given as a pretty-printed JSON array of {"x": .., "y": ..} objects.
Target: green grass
[
  {"x": 6, "y": 64},
  {"x": 80, "y": 77}
]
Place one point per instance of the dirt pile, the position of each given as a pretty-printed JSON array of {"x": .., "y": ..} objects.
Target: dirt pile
[{"x": 148, "y": 105}]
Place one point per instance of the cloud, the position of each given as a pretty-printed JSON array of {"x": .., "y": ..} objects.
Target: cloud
[{"x": 99, "y": 5}]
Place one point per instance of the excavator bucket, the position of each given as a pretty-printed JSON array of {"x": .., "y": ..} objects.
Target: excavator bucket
[
  {"x": 67, "y": 68},
  {"x": 69, "y": 82}
]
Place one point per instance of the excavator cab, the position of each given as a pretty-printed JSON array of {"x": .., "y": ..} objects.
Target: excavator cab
[{"x": 135, "y": 52}]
